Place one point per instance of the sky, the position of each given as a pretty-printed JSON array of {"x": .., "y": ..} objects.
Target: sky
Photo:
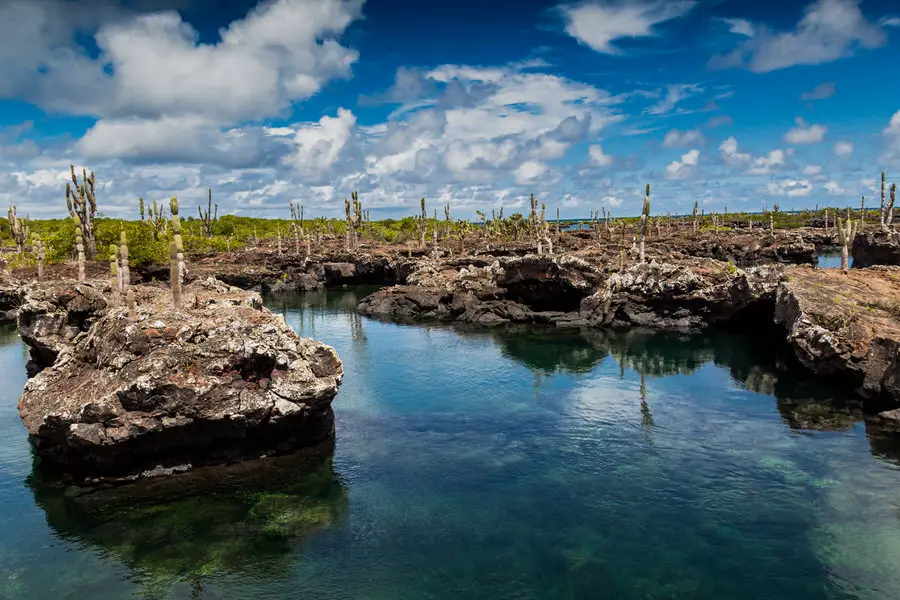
[{"x": 737, "y": 105}]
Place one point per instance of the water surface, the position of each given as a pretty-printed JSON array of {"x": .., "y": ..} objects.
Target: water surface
[{"x": 493, "y": 464}]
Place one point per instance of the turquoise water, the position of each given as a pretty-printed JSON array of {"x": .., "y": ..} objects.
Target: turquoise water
[
  {"x": 831, "y": 260},
  {"x": 489, "y": 464}
]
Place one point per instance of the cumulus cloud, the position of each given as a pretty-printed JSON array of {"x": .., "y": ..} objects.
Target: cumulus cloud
[
  {"x": 791, "y": 188},
  {"x": 680, "y": 139},
  {"x": 684, "y": 168},
  {"x": 828, "y": 30},
  {"x": 599, "y": 24},
  {"x": 764, "y": 165},
  {"x": 892, "y": 137},
  {"x": 529, "y": 171},
  {"x": 820, "y": 92},
  {"x": 598, "y": 157},
  {"x": 318, "y": 146},
  {"x": 834, "y": 188},
  {"x": 804, "y": 133},
  {"x": 843, "y": 149},
  {"x": 731, "y": 155},
  {"x": 674, "y": 94},
  {"x": 810, "y": 170}
]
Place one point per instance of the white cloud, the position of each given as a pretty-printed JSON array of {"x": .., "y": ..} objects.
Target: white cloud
[
  {"x": 684, "y": 168},
  {"x": 804, "y": 133},
  {"x": 790, "y": 187},
  {"x": 598, "y": 25},
  {"x": 319, "y": 145},
  {"x": 820, "y": 92},
  {"x": 740, "y": 27},
  {"x": 828, "y": 30},
  {"x": 892, "y": 136},
  {"x": 674, "y": 94},
  {"x": 843, "y": 149},
  {"x": 834, "y": 188},
  {"x": 731, "y": 155},
  {"x": 680, "y": 139},
  {"x": 598, "y": 157},
  {"x": 810, "y": 170},
  {"x": 529, "y": 171},
  {"x": 152, "y": 65},
  {"x": 765, "y": 165}
]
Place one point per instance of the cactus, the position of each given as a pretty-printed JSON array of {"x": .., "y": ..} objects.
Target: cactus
[
  {"x": 645, "y": 218},
  {"x": 544, "y": 233},
  {"x": 354, "y": 216},
  {"x": 883, "y": 211},
  {"x": 124, "y": 267},
  {"x": 208, "y": 218},
  {"x": 179, "y": 248},
  {"x": 158, "y": 220},
  {"x": 19, "y": 229},
  {"x": 297, "y": 226},
  {"x": 447, "y": 220},
  {"x": 79, "y": 247},
  {"x": 141, "y": 207},
  {"x": 862, "y": 212},
  {"x": 174, "y": 277},
  {"x": 41, "y": 255},
  {"x": 846, "y": 234},
  {"x": 694, "y": 216},
  {"x": 771, "y": 223},
  {"x": 422, "y": 223},
  {"x": 132, "y": 305},
  {"x": 115, "y": 281},
  {"x": 82, "y": 203},
  {"x": 889, "y": 219}
]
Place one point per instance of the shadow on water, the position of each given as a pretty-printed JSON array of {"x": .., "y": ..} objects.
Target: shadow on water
[{"x": 248, "y": 519}]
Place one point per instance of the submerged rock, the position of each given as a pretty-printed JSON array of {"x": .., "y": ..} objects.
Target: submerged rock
[
  {"x": 220, "y": 380},
  {"x": 681, "y": 296}
]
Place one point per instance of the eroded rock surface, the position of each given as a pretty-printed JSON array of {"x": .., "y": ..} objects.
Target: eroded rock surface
[
  {"x": 220, "y": 380},
  {"x": 530, "y": 289},
  {"x": 11, "y": 292},
  {"x": 686, "y": 295},
  {"x": 876, "y": 248},
  {"x": 845, "y": 326}
]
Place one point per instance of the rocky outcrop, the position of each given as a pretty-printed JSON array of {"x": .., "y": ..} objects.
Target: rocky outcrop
[
  {"x": 530, "y": 289},
  {"x": 845, "y": 326},
  {"x": 745, "y": 250},
  {"x": 11, "y": 292},
  {"x": 876, "y": 248},
  {"x": 220, "y": 380},
  {"x": 683, "y": 296},
  {"x": 52, "y": 315}
]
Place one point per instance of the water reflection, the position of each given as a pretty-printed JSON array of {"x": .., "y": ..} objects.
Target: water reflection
[{"x": 248, "y": 519}]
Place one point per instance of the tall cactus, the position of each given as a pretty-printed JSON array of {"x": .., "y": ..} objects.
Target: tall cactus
[
  {"x": 115, "y": 282},
  {"x": 422, "y": 223},
  {"x": 124, "y": 267},
  {"x": 141, "y": 207},
  {"x": 178, "y": 247},
  {"x": 41, "y": 255},
  {"x": 208, "y": 218},
  {"x": 79, "y": 247},
  {"x": 694, "y": 215},
  {"x": 174, "y": 275},
  {"x": 81, "y": 202},
  {"x": 158, "y": 220},
  {"x": 889, "y": 219},
  {"x": 354, "y": 216},
  {"x": 19, "y": 229},
  {"x": 883, "y": 211},
  {"x": 846, "y": 234},
  {"x": 645, "y": 220}
]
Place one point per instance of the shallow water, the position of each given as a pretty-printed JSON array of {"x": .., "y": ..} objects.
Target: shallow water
[
  {"x": 490, "y": 464},
  {"x": 831, "y": 260}
]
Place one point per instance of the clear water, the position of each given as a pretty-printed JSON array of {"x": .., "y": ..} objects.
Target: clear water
[
  {"x": 831, "y": 260},
  {"x": 484, "y": 464}
]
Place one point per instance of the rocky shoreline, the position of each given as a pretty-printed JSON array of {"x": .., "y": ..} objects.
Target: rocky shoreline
[
  {"x": 224, "y": 379},
  {"x": 120, "y": 398}
]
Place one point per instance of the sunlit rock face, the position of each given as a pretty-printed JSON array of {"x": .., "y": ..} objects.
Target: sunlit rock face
[{"x": 219, "y": 380}]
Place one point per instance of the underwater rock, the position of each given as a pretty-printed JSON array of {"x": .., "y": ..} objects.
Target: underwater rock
[
  {"x": 680, "y": 296},
  {"x": 220, "y": 380},
  {"x": 845, "y": 326}
]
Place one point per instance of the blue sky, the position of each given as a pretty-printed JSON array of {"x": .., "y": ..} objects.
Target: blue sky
[{"x": 738, "y": 105}]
